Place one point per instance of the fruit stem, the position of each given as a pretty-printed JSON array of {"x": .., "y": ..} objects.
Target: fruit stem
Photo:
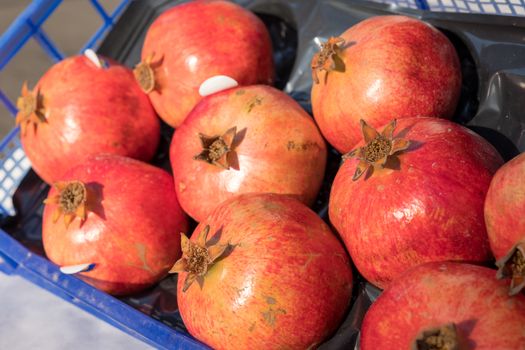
[
  {"x": 144, "y": 73},
  {"x": 444, "y": 337},
  {"x": 512, "y": 266}
]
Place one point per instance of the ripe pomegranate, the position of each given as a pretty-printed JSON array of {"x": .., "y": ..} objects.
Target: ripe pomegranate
[
  {"x": 414, "y": 197},
  {"x": 263, "y": 271},
  {"x": 197, "y": 40},
  {"x": 504, "y": 208},
  {"x": 78, "y": 110},
  {"x": 246, "y": 139},
  {"x": 443, "y": 306},
  {"x": 117, "y": 213},
  {"x": 382, "y": 68}
]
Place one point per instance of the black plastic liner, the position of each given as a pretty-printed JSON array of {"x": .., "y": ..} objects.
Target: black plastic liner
[{"x": 492, "y": 103}]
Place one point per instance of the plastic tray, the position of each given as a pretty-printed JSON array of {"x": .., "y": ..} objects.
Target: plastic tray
[{"x": 123, "y": 43}]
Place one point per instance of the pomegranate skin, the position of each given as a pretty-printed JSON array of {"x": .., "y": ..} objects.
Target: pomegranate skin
[
  {"x": 89, "y": 111},
  {"x": 279, "y": 149},
  {"x": 430, "y": 209},
  {"x": 505, "y": 205},
  {"x": 132, "y": 233},
  {"x": 285, "y": 284},
  {"x": 434, "y": 294},
  {"x": 395, "y": 67},
  {"x": 201, "y": 39}
]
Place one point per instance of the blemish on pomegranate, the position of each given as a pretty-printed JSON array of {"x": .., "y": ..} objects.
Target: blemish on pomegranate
[
  {"x": 141, "y": 249},
  {"x": 182, "y": 186},
  {"x": 256, "y": 101},
  {"x": 252, "y": 327},
  {"x": 270, "y": 315},
  {"x": 270, "y": 300},
  {"x": 311, "y": 257},
  {"x": 272, "y": 206},
  {"x": 240, "y": 92},
  {"x": 301, "y": 146}
]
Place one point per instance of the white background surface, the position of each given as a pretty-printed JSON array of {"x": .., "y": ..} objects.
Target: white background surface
[{"x": 32, "y": 318}]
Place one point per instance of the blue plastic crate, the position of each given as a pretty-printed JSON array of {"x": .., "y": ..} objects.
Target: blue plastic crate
[{"x": 17, "y": 259}]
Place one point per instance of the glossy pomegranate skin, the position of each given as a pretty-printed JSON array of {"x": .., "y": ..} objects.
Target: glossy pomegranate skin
[
  {"x": 132, "y": 234},
  {"x": 201, "y": 39},
  {"x": 434, "y": 294},
  {"x": 431, "y": 209},
  {"x": 505, "y": 205},
  {"x": 89, "y": 111},
  {"x": 280, "y": 149},
  {"x": 395, "y": 67},
  {"x": 285, "y": 284}
]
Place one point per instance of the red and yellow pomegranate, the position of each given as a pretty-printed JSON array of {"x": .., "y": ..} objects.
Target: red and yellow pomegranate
[
  {"x": 504, "y": 209},
  {"x": 78, "y": 110},
  {"x": 263, "y": 271},
  {"x": 119, "y": 214},
  {"x": 246, "y": 139},
  {"x": 382, "y": 68},
  {"x": 411, "y": 194},
  {"x": 197, "y": 40},
  {"x": 443, "y": 306}
]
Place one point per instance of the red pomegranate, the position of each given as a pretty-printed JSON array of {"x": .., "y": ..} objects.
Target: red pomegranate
[
  {"x": 263, "y": 271},
  {"x": 414, "y": 197},
  {"x": 382, "y": 68},
  {"x": 78, "y": 110},
  {"x": 504, "y": 209},
  {"x": 197, "y": 40},
  {"x": 247, "y": 139},
  {"x": 444, "y": 306},
  {"x": 117, "y": 213}
]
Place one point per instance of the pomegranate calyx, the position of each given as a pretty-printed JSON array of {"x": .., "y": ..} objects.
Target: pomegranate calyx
[
  {"x": 30, "y": 109},
  {"x": 512, "y": 266},
  {"x": 444, "y": 337},
  {"x": 216, "y": 149},
  {"x": 72, "y": 200},
  {"x": 327, "y": 59},
  {"x": 379, "y": 146},
  {"x": 144, "y": 73},
  {"x": 197, "y": 257}
]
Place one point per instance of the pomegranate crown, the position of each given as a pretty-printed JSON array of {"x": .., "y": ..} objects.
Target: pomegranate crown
[{"x": 378, "y": 147}]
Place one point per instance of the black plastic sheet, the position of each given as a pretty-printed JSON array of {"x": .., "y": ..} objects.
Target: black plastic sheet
[{"x": 492, "y": 103}]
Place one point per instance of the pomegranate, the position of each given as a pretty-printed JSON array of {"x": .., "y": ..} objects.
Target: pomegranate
[
  {"x": 246, "y": 139},
  {"x": 384, "y": 67},
  {"x": 78, "y": 110},
  {"x": 402, "y": 200},
  {"x": 263, "y": 271},
  {"x": 197, "y": 40},
  {"x": 504, "y": 208},
  {"x": 119, "y": 214},
  {"x": 443, "y": 306}
]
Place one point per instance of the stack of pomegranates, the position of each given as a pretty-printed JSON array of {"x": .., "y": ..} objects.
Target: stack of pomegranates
[{"x": 421, "y": 204}]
